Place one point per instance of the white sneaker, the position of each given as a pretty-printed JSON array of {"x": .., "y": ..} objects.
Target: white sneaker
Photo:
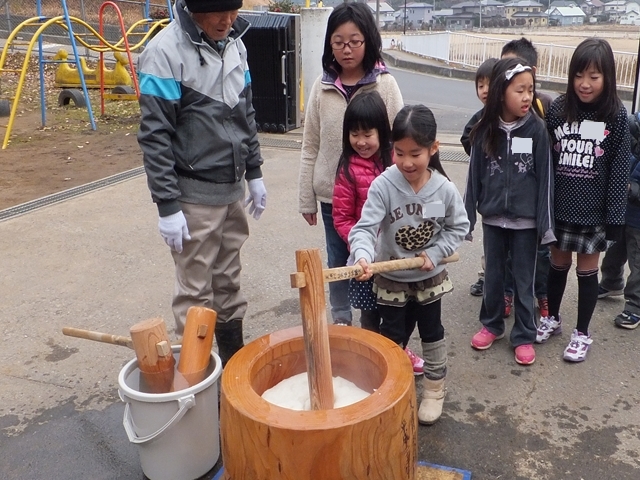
[
  {"x": 548, "y": 326},
  {"x": 578, "y": 347}
]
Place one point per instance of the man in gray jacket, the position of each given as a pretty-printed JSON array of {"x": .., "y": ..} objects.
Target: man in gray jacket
[{"x": 199, "y": 140}]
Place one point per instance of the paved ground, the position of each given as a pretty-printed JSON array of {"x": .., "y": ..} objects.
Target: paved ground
[{"x": 97, "y": 262}]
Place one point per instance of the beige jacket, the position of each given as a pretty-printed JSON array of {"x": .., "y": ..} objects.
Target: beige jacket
[{"x": 322, "y": 137}]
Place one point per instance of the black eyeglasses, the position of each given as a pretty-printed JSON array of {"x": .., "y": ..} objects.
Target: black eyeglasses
[{"x": 350, "y": 43}]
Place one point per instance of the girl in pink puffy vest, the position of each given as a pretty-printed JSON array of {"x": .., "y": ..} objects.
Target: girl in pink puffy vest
[{"x": 366, "y": 153}]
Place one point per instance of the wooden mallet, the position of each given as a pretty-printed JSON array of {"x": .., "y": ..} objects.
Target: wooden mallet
[
  {"x": 197, "y": 341},
  {"x": 153, "y": 351}
]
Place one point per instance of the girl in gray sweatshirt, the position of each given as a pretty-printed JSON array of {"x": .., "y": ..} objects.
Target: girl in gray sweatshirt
[{"x": 413, "y": 209}]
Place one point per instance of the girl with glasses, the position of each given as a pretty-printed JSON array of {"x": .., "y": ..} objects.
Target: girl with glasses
[{"x": 352, "y": 64}]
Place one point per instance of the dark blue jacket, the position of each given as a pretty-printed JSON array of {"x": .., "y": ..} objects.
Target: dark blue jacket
[
  {"x": 632, "y": 217},
  {"x": 513, "y": 185}
]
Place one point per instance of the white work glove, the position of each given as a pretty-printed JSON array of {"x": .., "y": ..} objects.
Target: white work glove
[
  {"x": 257, "y": 199},
  {"x": 173, "y": 229}
]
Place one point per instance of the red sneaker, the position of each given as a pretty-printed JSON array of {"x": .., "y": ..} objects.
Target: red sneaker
[
  {"x": 508, "y": 304},
  {"x": 416, "y": 362},
  {"x": 484, "y": 339},
  {"x": 543, "y": 306},
  {"x": 525, "y": 354}
]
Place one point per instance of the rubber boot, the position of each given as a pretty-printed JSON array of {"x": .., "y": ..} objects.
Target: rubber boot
[
  {"x": 229, "y": 339},
  {"x": 370, "y": 320},
  {"x": 435, "y": 370}
]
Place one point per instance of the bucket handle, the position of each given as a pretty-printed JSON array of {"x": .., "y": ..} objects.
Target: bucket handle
[{"x": 185, "y": 404}]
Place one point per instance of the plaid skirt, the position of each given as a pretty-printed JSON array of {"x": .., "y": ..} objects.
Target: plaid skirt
[{"x": 580, "y": 238}]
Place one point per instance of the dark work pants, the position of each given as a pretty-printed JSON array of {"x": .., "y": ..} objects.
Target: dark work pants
[
  {"x": 522, "y": 244},
  {"x": 612, "y": 268}
]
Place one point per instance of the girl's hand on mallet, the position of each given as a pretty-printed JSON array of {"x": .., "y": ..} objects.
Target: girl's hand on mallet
[
  {"x": 367, "y": 273},
  {"x": 428, "y": 264}
]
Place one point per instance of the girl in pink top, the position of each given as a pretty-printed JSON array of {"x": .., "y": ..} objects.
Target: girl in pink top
[{"x": 366, "y": 153}]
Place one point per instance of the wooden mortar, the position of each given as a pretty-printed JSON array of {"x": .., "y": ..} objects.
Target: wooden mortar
[{"x": 375, "y": 438}]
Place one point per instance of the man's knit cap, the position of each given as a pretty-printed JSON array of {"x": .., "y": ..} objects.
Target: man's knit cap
[{"x": 206, "y": 6}]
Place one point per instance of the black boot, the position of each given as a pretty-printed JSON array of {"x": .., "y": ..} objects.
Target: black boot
[{"x": 229, "y": 339}]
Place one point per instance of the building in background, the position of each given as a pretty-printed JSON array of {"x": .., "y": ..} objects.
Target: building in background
[
  {"x": 592, "y": 8},
  {"x": 419, "y": 14},
  {"x": 387, "y": 13},
  {"x": 631, "y": 16},
  {"x": 566, "y": 16},
  {"x": 526, "y": 12}
]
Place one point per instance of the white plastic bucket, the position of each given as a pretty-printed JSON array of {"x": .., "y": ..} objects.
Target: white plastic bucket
[{"x": 177, "y": 433}]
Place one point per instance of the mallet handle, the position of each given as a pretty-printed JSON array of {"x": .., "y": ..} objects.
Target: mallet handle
[
  {"x": 343, "y": 273},
  {"x": 98, "y": 336},
  {"x": 313, "y": 310}
]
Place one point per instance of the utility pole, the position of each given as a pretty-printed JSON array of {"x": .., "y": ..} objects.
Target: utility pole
[
  {"x": 480, "y": 24},
  {"x": 404, "y": 23},
  {"x": 636, "y": 91},
  {"x": 378, "y": 14}
]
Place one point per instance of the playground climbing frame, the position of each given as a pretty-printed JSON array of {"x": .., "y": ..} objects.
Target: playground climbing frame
[{"x": 144, "y": 29}]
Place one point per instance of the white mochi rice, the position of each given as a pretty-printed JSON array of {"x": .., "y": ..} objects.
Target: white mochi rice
[{"x": 293, "y": 393}]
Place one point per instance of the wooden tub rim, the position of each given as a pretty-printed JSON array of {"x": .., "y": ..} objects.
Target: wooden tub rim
[{"x": 238, "y": 391}]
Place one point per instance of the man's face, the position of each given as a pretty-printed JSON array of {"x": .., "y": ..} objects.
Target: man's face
[{"x": 216, "y": 25}]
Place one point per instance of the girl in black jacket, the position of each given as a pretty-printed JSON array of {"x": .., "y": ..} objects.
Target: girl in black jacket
[{"x": 510, "y": 184}]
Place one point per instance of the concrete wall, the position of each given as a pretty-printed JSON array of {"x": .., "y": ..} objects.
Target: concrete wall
[{"x": 313, "y": 25}]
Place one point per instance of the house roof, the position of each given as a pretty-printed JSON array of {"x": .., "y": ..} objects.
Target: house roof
[
  {"x": 474, "y": 3},
  {"x": 523, "y": 3},
  {"x": 461, "y": 16},
  {"x": 465, "y": 4},
  {"x": 419, "y": 5},
  {"x": 529, "y": 15},
  {"x": 562, "y": 3},
  {"x": 614, "y": 3},
  {"x": 566, "y": 11},
  {"x": 594, "y": 3},
  {"x": 445, "y": 12},
  {"x": 384, "y": 7}
]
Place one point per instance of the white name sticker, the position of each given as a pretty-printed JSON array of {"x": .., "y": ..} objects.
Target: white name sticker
[
  {"x": 592, "y": 130},
  {"x": 431, "y": 210},
  {"x": 521, "y": 145}
]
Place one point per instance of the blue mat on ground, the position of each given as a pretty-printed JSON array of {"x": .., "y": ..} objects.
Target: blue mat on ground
[{"x": 464, "y": 474}]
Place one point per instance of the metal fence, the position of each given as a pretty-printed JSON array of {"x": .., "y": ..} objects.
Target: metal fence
[
  {"x": 471, "y": 50},
  {"x": 14, "y": 12}
]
